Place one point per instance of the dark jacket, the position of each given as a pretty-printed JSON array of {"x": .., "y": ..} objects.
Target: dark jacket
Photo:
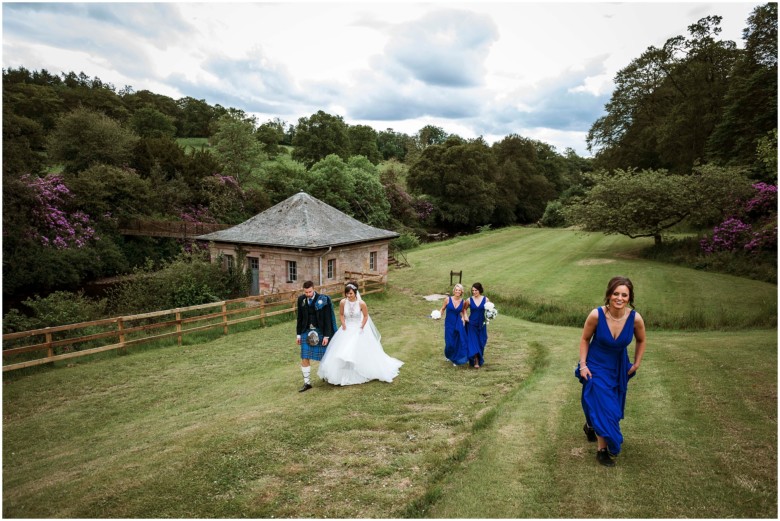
[{"x": 320, "y": 314}]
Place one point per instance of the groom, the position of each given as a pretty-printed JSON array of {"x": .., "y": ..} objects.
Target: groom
[{"x": 316, "y": 324}]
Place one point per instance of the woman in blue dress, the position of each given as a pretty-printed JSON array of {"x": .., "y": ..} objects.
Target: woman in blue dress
[
  {"x": 604, "y": 367},
  {"x": 476, "y": 332},
  {"x": 455, "y": 348}
]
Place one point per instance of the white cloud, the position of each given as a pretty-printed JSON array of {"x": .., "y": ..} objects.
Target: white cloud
[{"x": 542, "y": 70}]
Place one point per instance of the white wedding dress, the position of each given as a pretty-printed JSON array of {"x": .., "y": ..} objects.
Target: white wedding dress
[{"x": 355, "y": 356}]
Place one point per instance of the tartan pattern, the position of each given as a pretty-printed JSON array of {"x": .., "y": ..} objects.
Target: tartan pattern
[{"x": 312, "y": 352}]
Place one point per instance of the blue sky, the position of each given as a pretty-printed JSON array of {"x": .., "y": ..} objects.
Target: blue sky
[{"x": 539, "y": 70}]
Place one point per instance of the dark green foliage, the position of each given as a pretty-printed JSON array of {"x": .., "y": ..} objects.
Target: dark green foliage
[
  {"x": 750, "y": 104},
  {"x": 553, "y": 215},
  {"x": 58, "y": 308},
  {"x": 406, "y": 241},
  {"x": 151, "y": 123},
  {"x": 319, "y": 136},
  {"x": 84, "y": 137},
  {"x": 687, "y": 252},
  {"x": 363, "y": 142},
  {"x": 187, "y": 280}
]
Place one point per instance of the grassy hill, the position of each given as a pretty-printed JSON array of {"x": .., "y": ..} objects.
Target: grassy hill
[{"x": 217, "y": 429}]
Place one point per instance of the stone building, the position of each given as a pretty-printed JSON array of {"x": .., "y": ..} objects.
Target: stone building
[{"x": 300, "y": 239}]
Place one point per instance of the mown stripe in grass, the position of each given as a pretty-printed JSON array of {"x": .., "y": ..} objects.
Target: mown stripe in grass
[{"x": 538, "y": 362}]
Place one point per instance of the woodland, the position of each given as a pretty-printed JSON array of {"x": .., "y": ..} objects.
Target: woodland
[{"x": 685, "y": 153}]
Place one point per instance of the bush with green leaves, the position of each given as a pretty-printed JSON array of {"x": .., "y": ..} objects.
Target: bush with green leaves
[
  {"x": 406, "y": 241},
  {"x": 553, "y": 215},
  {"x": 187, "y": 280},
  {"x": 57, "y": 309}
]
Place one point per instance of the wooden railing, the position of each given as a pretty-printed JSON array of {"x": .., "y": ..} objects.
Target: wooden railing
[
  {"x": 179, "y": 229},
  {"x": 59, "y": 342}
]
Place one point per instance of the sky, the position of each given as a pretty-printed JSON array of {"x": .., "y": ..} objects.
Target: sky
[{"x": 539, "y": 70}]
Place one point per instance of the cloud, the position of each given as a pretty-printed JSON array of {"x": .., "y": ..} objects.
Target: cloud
[{"x": 444, "y": 48}]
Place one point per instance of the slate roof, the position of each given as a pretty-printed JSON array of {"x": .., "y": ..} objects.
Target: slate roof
[{"x": 300, "y": 221}]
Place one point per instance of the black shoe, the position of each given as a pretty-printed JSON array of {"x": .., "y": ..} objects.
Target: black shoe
[
  {"x": 589, "y": 432},
  {"x": 602, "y": 456},
  {"x": 305, "y": 387}
]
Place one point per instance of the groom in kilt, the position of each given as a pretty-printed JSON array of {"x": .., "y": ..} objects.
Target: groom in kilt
[{"x": 316, "y": 324}]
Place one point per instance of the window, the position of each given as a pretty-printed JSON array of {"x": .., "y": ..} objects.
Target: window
[
  {"x": 372, "y": 261},
  {"x": 230, "y": 262},
  {"x": 292, "y": 271},
  {"x": 331, "y": 268}
]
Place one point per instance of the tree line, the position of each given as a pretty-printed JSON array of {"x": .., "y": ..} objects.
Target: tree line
[{"x": 688, "y": 138}]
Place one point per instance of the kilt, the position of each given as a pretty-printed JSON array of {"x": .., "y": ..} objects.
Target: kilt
[{"x": 310, "y": 352}]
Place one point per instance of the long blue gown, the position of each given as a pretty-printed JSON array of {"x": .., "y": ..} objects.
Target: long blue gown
[
  {"x": 455, "y": 348},
  {"x": 476, "y": 332},
  {"x": 604, "y": 395}
]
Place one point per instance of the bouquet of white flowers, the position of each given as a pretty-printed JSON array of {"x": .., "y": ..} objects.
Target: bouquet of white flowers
[
  {"x": 436, "y": 314},
  {"x": 490, "y": 312}
]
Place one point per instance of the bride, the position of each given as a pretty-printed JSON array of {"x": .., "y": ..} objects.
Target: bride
[{"x": 354, "y": 354}]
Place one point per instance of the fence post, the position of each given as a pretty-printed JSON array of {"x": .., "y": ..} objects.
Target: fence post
[
  {"x": 120, "y": 325},
  {"x": 178, "y": 327},
  {"x": 50, "y": 351},
  {"x": 224, "y": 318},
  {"x": 262, "y": 310}
]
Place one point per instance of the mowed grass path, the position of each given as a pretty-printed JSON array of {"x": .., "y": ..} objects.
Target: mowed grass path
[{"x": 217, "y": 429}]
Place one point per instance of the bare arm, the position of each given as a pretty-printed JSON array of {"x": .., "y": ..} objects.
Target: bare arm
[
  {"x": 444, "y": 306},
  {"x": 587, "y": 333},
  {"x": 364, "y": 309},
  {"x": 341, "y": 314},
  {"x": 639, "y": 350}
]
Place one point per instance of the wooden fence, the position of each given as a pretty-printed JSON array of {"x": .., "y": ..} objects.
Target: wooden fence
[
  {"x": 178, "y": 229},
  {"x": 76, "y": 340}
]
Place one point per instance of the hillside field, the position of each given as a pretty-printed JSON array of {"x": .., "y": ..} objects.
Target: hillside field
[{"x": 217, "y": 428}]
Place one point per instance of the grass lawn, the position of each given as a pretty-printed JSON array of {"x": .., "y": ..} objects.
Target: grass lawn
[{"x": 218, "y": 429}]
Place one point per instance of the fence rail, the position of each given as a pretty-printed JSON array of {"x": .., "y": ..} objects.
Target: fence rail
[
  {"x": 156, "y": 325},
  {"x": 180, "y": 229}
]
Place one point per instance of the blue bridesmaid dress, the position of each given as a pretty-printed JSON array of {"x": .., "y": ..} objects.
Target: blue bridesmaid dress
[
  {"x": 476, "y": 332},
  {"x": 455, "y": 348},
  {"x": 604, "y": 395}
]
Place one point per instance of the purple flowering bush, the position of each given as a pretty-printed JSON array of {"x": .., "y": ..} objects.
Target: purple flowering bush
[
  {"x": 752, "y": 230},
  {"x": 51, "y": 223}
]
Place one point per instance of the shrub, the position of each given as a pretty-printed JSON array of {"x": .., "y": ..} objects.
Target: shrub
[
  {"x": 56, "y": 309},
  {"x": 406, "y": 241},
  {"x": 553, "y": 215}
]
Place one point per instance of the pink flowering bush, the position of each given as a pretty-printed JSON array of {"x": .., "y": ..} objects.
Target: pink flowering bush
[
  {"x": 52, "y": 224},
  {"x": 754, "y": 229}
]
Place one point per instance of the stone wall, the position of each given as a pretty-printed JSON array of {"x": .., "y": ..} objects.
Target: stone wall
[{"x": 311, "y": 264}]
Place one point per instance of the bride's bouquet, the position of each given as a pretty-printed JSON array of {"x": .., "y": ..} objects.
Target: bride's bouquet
[
  {"x": 490, "y": 312},
  {"x": 436, "y": 314}
]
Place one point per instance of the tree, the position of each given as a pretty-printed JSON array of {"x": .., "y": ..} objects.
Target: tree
[
  {"x": 332, "y": 182},
  {"x": 750, "y": 105},
  {"x": 369, "y": 202},
  {"x": 666, "y": 103},
  {"x": 648, "y": 202},
  {"x": 285, "y": 177},
  {"x": 319, "y": 136},
  {"x": 84, "y": 137},
  {"x": 151, "y": 123},
  {"x": 271, "y": 135},
  {"x": 236, "y": 147},
  {"x": 196, "y": 117},
  {"x": 109, "y": 192},
  {"x": 392, "y": 145},
  {"x": 363, "y": 142},
  {"x": 460, "y": 179}
]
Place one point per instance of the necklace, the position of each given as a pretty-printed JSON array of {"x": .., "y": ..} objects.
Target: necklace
[{"x": 609, "y": 314}]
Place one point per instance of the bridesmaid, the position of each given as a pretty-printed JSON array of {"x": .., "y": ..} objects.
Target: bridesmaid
[
  {"x": 476, "y": 332},
  {"x": 604, "y": 368},
  {"x": 455, "y": 348}
]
